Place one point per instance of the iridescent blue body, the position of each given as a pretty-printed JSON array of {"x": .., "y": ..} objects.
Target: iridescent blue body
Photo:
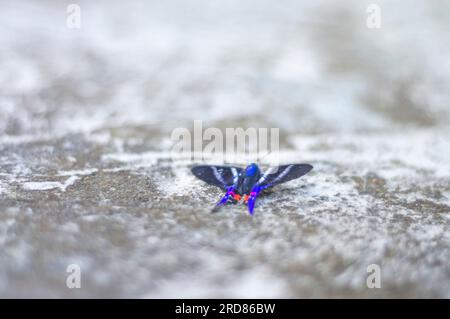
[
  {"x": 250, "y": 177},
  {"x": 246, "y": 184}
]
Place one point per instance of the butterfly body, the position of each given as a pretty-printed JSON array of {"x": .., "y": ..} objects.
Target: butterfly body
[{"x": 246, "y": 184}]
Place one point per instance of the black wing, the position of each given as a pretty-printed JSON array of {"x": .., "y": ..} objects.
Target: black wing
[
  {"x": 283, "y": 174},
  {"x": 220, "y": 176}
]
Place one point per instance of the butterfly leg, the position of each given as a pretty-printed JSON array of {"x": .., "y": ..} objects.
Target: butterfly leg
[
  {"x": 251, "y": 201},
  {"x": 230, "y": 197}
]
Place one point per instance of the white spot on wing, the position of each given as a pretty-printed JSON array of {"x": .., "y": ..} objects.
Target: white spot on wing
[
  {"x": 283, "y": 174},
  {"x": 235, "y": 175},
  {"x": 272, "y": 171},
  {"x": 218, "y": 175}
]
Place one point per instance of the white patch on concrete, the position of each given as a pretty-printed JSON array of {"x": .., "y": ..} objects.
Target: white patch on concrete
[
  {"x": 44, "y": 186},
  {"x": 84, "y": 172},
  {"x": 3, "y": 188}
]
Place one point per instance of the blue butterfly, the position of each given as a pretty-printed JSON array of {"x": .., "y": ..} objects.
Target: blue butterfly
[{"x": 246, "y": 184}]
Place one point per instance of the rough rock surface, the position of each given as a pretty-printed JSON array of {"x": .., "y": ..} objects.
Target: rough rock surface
[{"x": 87, "y": 177}]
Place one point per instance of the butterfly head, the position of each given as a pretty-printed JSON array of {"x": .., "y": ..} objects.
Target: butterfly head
[{"x": 251, "y": 170}]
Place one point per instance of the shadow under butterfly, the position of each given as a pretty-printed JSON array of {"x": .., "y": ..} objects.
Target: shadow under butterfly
[{"x": 245, "y": 185}]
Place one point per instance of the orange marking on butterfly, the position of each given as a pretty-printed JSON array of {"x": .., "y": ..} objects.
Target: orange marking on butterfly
[{"x": 237, "y": 197}]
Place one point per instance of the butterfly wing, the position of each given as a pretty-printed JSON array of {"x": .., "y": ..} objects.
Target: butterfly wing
[
  {"x": 220, "y": 176},
  {"x": 275, "y": 176},
  {"x": 283, "y": 174},
  {"x": 225, "y": 177}
]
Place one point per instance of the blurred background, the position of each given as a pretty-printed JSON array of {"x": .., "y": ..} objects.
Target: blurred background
[{"x": 86, "y": 116}]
